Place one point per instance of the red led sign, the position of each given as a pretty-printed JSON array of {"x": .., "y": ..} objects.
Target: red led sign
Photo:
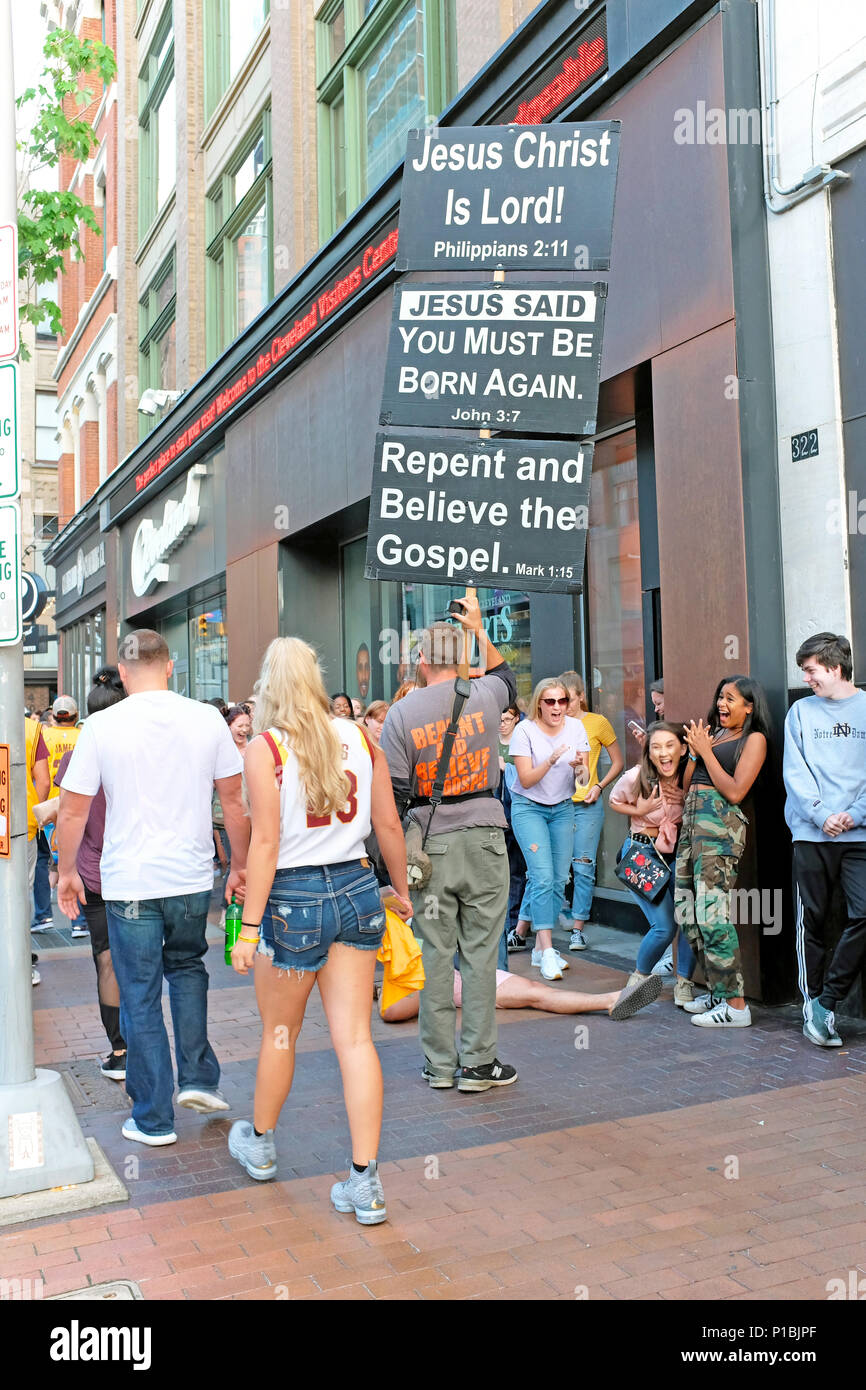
[
  {"x": 576, "y": 72},
  {"x": 564, "y": 78},
  {"x": 283, "y": 345}
]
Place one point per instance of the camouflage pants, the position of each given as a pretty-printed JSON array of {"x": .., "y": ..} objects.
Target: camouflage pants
[{"x": 711, "y": 844}]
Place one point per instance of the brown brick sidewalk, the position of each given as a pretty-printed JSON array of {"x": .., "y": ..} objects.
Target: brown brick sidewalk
[
  {"x": 656, "y": 1162},
  {"x": 630, "y": 1209}
]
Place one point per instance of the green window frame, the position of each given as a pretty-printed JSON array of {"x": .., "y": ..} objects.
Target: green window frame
[
  {"x": 229, "y": 211},
  {"x": 220, "y": 64},
  {"x": 348, "y": 35},
  {"x": 155, "y": 78},
  {"x": 157, "y": 311}
]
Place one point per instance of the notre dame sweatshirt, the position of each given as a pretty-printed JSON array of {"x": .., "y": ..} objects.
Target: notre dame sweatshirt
[{"x": 825, "y": 766}]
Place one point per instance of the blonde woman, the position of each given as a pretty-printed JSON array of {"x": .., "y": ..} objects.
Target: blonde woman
[
  {"x": 550, "y": 752},
  {"x": 312, "y": 911}
]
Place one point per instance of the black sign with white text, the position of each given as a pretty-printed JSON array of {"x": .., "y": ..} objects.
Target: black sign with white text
[
  {"x": 531, "y": 197},
  {"x": 35, "y": 639},
  {"x": 515, "y": 357},
  {"x": 509, "y": 513}
]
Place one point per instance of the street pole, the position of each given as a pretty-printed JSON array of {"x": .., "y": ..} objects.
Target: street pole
[{"x": 41, "y": 1143}]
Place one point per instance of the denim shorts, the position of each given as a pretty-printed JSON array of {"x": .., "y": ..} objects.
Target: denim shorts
[{"x": 311, "y": 907}]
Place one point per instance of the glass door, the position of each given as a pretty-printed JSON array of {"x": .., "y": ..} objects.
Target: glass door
[{"x": 174, "y": 630}]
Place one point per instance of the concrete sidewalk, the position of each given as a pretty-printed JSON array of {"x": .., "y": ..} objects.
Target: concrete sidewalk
[{"x": 647, "y": 1159}]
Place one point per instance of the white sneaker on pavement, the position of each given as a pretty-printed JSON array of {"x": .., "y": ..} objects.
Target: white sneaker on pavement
[
  {"x": 665, "y": 966},
  {"x": 550, "y": 969},
  {"x": 563, "y": 963},
  {"x": 723, "y": 1016},
  {"x": 701, "y": 1004}
]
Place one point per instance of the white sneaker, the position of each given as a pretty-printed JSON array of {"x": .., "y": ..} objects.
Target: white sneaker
[
  {"x": 563, "y": 963},
  {"x": 550, "y": 969},
  {"x": 723, "y": 1016},
  {"x": 665, "y": 966},
  {"x": 205, "y": 1102},
  {"x": 701, "y": 1004},
  {"x": 130, "y": 1130},
  {"x": 80, "y": 931}
]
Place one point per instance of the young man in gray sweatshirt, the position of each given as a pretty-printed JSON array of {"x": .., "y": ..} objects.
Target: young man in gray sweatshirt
[{"x": 825, "y": 781}]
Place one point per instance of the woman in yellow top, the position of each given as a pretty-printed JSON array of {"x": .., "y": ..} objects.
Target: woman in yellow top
[{"x": 588, "y": 807}]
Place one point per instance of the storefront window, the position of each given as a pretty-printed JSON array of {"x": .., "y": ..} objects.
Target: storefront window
[
  {"x": 379, "y": 616},
  {"x": 197, "y": 640},
  {"x": 209, "y": 655},
  {"x": 83, "y": 654},
  {"x": 175, "y": 631},
  {"x": 613, "y": 599}
]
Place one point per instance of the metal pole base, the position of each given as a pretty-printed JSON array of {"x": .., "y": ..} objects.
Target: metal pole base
[{"x": 41, "y": 1143}]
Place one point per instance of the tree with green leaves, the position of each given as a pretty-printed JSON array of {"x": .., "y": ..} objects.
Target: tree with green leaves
[{"x": 50, "y": 220}]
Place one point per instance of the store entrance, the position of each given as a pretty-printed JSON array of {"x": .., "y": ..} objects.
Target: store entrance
[{"x": 198, "y": 645}]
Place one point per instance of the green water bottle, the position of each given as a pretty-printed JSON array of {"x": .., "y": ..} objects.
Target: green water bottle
[{"x": 234, "y": 922}]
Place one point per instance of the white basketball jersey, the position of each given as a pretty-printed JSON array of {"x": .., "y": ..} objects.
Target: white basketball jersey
[{"x": 334, "y": 839}]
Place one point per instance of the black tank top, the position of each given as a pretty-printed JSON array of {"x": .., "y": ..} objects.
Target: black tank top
[{"x": 725, "y": 754}]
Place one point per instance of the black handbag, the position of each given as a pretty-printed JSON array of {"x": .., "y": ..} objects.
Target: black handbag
[{"x": 641, "y": 870}]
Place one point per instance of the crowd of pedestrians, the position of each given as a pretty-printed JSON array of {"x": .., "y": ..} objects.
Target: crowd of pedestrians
[{"x": 306, "y": 803}]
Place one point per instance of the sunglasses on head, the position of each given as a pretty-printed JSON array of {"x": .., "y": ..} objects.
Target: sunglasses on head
[{"x": 548, "y": 700}]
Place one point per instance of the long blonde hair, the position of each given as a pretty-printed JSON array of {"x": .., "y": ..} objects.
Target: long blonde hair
[{"x": 291, "y": 697}]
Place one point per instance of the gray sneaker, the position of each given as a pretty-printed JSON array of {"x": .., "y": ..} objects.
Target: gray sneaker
[
  {"x": 362, "y": 1193},
  {"x": 256, "y": 1153},
  {"x": 636, "y": 995},
  {"x": 820, "y": 1025}
]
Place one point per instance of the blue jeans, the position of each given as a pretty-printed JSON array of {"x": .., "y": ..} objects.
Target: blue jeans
[
  {"x": 661, "y": 916},
  {"x": 152, "y": 939},
  {"x": 550, "y": 829},
  {"x": 41, "y": 886},
  {"x": 588, "y": 821}
]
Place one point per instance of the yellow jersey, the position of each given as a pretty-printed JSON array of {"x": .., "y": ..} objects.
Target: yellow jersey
[
  {"x": 59, "y": 740},
  {"x": 601, "y": 734},
  {"x": 33, "y": 733}
]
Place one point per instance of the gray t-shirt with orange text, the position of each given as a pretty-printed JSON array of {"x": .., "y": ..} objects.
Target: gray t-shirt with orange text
[{"x": 412, "y": 741}]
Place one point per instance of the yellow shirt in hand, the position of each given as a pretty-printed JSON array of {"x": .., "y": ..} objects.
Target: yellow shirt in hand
[{"x": 601, "y": 734}]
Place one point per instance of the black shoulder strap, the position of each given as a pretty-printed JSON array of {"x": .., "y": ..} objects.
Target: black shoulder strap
[{"x": 462, "y": 691}]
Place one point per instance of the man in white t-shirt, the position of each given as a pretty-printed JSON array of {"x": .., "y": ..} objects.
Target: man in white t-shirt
[{"x": 158, "y": 757}]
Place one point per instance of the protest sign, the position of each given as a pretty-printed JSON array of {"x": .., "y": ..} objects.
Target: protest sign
[{"x": 497, "y": 512}]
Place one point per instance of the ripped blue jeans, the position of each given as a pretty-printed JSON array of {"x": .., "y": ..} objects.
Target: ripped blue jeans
[{"x": 311, "y": 907}]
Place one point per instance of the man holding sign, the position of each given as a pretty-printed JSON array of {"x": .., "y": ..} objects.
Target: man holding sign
[{"x": 463, "y": 906}]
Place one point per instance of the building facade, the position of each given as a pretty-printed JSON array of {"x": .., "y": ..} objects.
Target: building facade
[
  {"x": 260, "y": 287},
  {"x": 87, "y": 359}
]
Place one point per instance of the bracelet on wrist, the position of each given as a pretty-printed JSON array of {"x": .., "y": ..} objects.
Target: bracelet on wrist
[
  {"x": 693, "y": 758},
  {"x": 250, "y": 940}
]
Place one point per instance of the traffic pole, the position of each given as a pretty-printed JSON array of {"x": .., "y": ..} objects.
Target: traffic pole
[{"x": 41, "y": 1143}]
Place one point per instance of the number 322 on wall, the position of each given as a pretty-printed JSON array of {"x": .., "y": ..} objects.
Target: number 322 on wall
[{"x": 805, "y": 445}]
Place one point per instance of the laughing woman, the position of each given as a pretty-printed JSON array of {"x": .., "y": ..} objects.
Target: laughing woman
[
  {"x": 550, "y": 752},
  {"x": 651, "y": 795},
  {"x": 725, "y": 757}
]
